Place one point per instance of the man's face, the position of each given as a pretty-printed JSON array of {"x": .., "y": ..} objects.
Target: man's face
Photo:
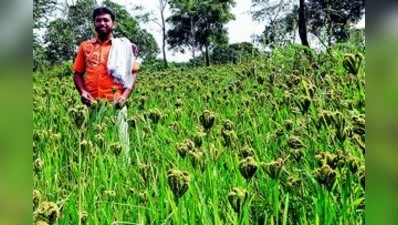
[{"x": 103, "y": 24}]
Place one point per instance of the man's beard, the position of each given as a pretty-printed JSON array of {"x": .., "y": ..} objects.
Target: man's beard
[{"x": 103, "y": 33}]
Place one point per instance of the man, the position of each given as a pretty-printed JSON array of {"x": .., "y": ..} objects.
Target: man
[{"x": 92, "y": 78}]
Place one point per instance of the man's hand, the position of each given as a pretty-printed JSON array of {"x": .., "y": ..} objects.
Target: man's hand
[
  {"x": 87, "y": 98},
  {"x": 120, "y": 101}
]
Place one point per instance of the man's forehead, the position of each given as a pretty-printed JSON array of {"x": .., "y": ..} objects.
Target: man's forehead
[{"x": 103, "y": 16}]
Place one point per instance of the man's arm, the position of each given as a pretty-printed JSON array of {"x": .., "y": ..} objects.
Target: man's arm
[
  {"x": 79, "y": 67},
  {"x": 79, "y": 83},
  {"x": 127, "y": 91}
]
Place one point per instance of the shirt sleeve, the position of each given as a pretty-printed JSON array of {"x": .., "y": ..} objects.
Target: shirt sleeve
[{"x": 80, "y": 62}]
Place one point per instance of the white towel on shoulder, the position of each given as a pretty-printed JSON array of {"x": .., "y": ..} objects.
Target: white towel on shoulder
[{"x": 120, "y": 61}]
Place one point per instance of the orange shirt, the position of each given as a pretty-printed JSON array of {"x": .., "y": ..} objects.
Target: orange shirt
[{"x": 92, "y": 59}]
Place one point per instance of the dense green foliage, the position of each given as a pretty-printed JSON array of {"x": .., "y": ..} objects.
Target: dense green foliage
[
  {"x": 276, "y": 140},
  {"x": 41, "y": 11},
  {"x": 233, "y": 53},
  {"x": 330, "y": 21},
  {"x": 198, "y": 25}
]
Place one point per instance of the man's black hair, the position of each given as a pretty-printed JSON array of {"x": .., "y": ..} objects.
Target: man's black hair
[{"x": 103, "y": 10}]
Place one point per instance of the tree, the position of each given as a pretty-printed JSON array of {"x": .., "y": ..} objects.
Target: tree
[
  {"x": 234, "y": 53},
  {"x": 333, "y": 19},
  {"x": 328, "y": 20},
  {"x": 162, "y": 24},
  {"x": 59, "y": 41},
  {"x": 303, "y": 24},
  {"x": 80, "y": 21},
  {"x": 41, "y": 12},
  {"x": 38, "y": 54},
  {"x": 162, "y": 7},
  {"x": 199, "y": 24},
  {"x": 280, "y": 19}
]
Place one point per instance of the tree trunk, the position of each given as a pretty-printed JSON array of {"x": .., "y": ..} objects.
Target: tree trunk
[
  {"x": 193, "y": 53},
  {"x": 207, "y": 55},
  {"x": 302, "y": 25},
  {"x": 162, "y": 7}
]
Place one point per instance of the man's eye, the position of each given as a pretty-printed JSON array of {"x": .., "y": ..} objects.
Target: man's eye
[{"x": 102, "y": 20}]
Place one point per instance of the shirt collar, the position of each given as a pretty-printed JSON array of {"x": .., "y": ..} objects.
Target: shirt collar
[{"x": 96, "y": 40}]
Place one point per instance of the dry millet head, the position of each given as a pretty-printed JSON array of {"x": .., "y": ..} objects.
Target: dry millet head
[
  {"x": 327, "y": 158},
  {"x": 100, "y": 127},
  {"x": 207, "y": 119},
  {"x": 353, "y": 163},
  {"x": 237, "y": 197},
  {"x": 359, "y": 125},
  {"x": 109, "y": 193},
  {"x": 260, "y": 79},
  {"x": 83, "y": 215},
  {"x": 274, "y": 168},
  {"x": 295, "y": 142},
  {"x": 304, "y": 103},
  {"x": 178, "y": 181},
  {"x": 86, "y": 145},
  {"x": 182, "y": 149},
  {"x": 116, "y": 148},
  {"x": 38, "y": 165},
  {"x": 190, "y": 144},
  {"x": 288, "y": 125},
  {"x": 207, "y": 97},
  {"x": 325, "y": 118},
  {"x": 142, "y": 100},
  {"x": 246, "y": 151},
  {"x": 362, "y": 176},
  {"x": 47, "y": 212},
  {"x": 154, "y": 115},
  {"x": 41, "y": 222},
  {"x": 297, "y": 154},
  {"x": 78, "y": 116},
  {"x": 99, "y": 140},
  {"x": 325, "y": 176},
  {"x": 197, "y": 157},
  {"x": 142, "y": 196},
  {"x": 132, "y": 122},
  {"x": 36, "y": 198},
  {"x": 198, "y": 138},
  {"x": 293, "y": 182},
  {"x": 248, "y": 167},
  {"x": 144, "y": 170},
  {"x": 185, "y": 147},
  {"x": 228, "y": 125},
  {"x": 229, "y": 137},
  {"x": 178, "y": 102}
]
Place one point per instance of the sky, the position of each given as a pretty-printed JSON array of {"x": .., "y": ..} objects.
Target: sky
[{"x": 239, "y": 30}]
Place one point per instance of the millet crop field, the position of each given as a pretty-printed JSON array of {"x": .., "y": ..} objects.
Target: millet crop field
[{"x": 275, "y": 140}]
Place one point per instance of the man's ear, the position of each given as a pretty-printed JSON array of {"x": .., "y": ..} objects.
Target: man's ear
[{"x": 114, "y": 25}]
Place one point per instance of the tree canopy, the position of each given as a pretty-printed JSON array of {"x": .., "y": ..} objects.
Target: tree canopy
[
  {"x": 199, "y": 25},
  {"x": 329, "y": 20}
]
